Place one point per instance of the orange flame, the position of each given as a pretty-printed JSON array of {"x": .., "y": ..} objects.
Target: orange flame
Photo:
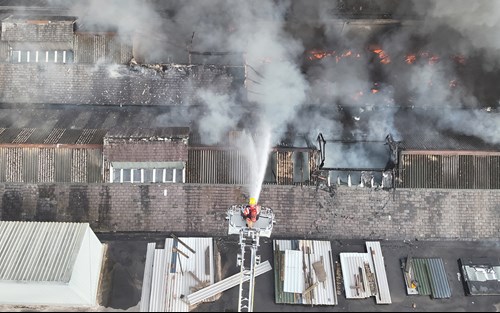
[
  {"x": 382, "y": 55},
  {"x": 411, "y": 58}
]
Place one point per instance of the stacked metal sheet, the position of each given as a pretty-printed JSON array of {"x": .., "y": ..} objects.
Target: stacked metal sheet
[
  {"x": 306, "y": 268},
  {"x": 175, "y": 272},
  {"x": 364, "y": 274},
  {"x": 481, "y": 276},
  {"x": 429, "y": 277}
]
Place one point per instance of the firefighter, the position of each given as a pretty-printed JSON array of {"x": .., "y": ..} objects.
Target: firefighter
[{"x": 251, "y": 212}]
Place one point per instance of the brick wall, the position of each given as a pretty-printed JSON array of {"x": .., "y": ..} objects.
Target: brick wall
[
  {"x": 300, "y": 211},
  {"x": 108, "y": 84}
]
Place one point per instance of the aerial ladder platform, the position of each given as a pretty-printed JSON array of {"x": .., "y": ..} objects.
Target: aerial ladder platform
[{"x": 248, "y": 259}]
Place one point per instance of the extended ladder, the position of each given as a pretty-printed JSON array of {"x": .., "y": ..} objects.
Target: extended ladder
[{"x": 249, "y": 240}]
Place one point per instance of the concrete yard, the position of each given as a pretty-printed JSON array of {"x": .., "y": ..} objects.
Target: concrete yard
[{"x": 129, "y": 257}]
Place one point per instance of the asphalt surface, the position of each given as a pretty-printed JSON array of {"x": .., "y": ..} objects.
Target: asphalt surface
[{"x": 127, "y": 256}]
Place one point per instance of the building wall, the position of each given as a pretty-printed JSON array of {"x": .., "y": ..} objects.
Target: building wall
[
  {"x": 48, "y": 165},
  {"x": 300, "y": 211},
  {"x": 146, "y": 151},
  {"x": 106, "y": 47},
  {"x": 43, "y": 31},
  {"x": 109, "y": 84}
]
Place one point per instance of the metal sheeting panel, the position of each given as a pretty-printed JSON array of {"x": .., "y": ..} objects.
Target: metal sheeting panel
[
  {"x": 422, "y": 277},
  {"x": 148, "y": 277},
  {"x": 158, "y": 283},
  {"x": 312, "y": 251},
  {"x": 30, "y": 165},
  {"x": 14, "y": 165},
  {"x": 78, "y": 166},
  {"x": 180, "y": 284},
  {"x": 294, "y": 278},
  {"x": 225, "y": 284},
  {"x": 94, "y": 166},
  {"x": 63, "y": 159},
  {"x": 437, "y": 276},
  {"x": 46, "y": 165},
  {"x": 351, "y": 262},
  {"x": 284, "y": 167},
  {"x": 39, "y": 252},
  {"x": 206, "y": 166},
  {"x": 451, "y": 171},
  {"x": 383, "y": 295},
  {"x": 170, "y": 273}
]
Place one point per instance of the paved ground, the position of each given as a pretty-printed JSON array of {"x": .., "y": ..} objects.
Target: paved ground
[
  {"x": 127, "y": 255},
  {"x": 128, "y": 258}
]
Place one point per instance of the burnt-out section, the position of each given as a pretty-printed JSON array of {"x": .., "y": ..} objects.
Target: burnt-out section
[
  {"x": 144, "y": 198},
  {"x": 78, "y": 206},
  {"x": 46, "y": 206},
  {"x": 12, "y": 205},
  {"x": 104, "y": 208}
]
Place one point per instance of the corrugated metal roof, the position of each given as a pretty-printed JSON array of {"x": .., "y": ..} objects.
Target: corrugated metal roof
[
  {"x": 437, "y": 276},
  {"x": 383, "y": 295},
  {"x": 351, "y": 262},
  {"x": 39, "y": 252},
  {"x": 51, "y": 136},
  {"x": 148, "y": 133},
  {"x": 312, "y": 251},
  {"x": 171, "y": 277},
  {"x": 442, "y": 169},
  {"x": 294, "y": 278}
]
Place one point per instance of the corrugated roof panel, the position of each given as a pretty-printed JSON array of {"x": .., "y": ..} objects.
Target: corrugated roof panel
[
  {"x": 54, "y": 136},
  {"x": 325, "y": 293},
  {"x": 86, "y": 136},
  {"x": 384, "y": 295},
  {"x": 98, "y": 137},
  {"x": 351, "y": 262},
  {"x": 171, "y": 276},
  {"x": 39, "y": 252},
  {"x": 312, "y": 251},
  {"x": 23, "y": 136},
  {"x": 422, "y": 277},
  {"x": 158, "y": 282},
  {"x": 39, "y": 135},
  {"x": 148, "y": 277},
  {"x": 70, "y": 136},
  {"x": 294, "y": 274},
  {"x": 9, "y": 134},
  {"x": 438, "y": 280},
  {"x": 181, "y": 284},
  {"x": 225, "y": 284}
]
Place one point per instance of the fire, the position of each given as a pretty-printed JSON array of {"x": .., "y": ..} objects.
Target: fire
[
  {"x": 319, "y": 54},
  {"x": 411, "y": 58},
  {"x": 382, "y": 55},
  {"x": 460, "y": 59}
]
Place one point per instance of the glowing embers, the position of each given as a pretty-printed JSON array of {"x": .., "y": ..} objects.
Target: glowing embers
[
  {"x": 382, "y": 55},
  {"x": 317, "y": 54}
]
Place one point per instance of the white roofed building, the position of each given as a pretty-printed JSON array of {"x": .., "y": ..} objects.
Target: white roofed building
[{"x": 49, "y": 263}]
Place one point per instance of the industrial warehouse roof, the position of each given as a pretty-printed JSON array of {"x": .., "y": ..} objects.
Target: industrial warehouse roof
[
  {"x": 160, "y": 84},
  {"x": 26, "y": 18},
  {"x": 41, "y": 252},
  {"x": 148, "y": 133},
  {"x": 51, "y": 136}
]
